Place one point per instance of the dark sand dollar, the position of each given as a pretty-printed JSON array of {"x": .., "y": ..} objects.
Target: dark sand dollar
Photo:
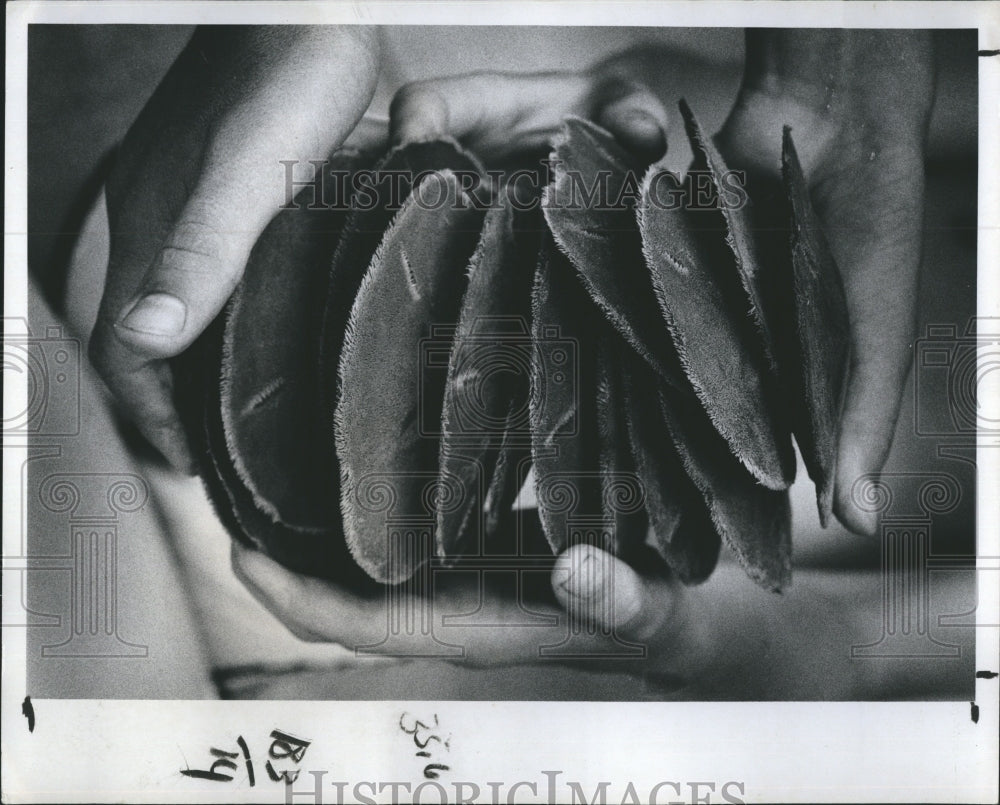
[
  {"x": 590, "y": 208},
  {"x": 389, "y": 467},
  {"x": 736, "y": 213},
  {"x": 380, "y": 194},
  {"x": 277, "y": 433},
  {"x": 513, "y": 460},
  {"x": 681, "y": 529},
  {"x": 505, "y": 536},
  {"x": 822, "y": 334},
  {"x": 755, "y": 522},
  {"x": 273, "y": 498},
  {"x": 704, "y": 306},
  {"x": 564, "y": 446},
  {"x": 486, "y": 393},
  {"x": 316, "y": 553},
  {"x": 623, "y": 493}
]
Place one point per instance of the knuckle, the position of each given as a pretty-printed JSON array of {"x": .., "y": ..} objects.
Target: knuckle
[
  {"x": 416, "y": 97},
  {"x": 194, "y": 246},
  {"x": 406, "y": 97},
  {"x": 609, "y": 87},
  {"x": 160, "y": 419}
]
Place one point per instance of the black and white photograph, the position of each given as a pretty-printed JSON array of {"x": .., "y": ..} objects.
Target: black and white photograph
[{"x": 501, "y": 402}]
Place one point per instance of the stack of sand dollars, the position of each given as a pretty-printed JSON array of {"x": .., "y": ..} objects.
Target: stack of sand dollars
[{"x": 405, "y": 352}]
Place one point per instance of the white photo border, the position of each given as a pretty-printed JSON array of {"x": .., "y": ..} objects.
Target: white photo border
[{"x": 794, "y": 752}]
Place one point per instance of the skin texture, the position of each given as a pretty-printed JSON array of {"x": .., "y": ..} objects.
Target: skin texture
[{"x": 858, "y": 103}]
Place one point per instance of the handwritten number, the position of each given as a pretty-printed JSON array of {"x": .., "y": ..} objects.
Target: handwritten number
[
  {"x": 433, "y": 770},
  {"x": 430, "y": 738},
  {"x": 418, "y": 725},
  {"x": 249, "y": 763},
  {"x": 224, "y": 760}
]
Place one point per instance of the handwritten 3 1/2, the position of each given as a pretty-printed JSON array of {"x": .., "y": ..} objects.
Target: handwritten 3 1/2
[{"x": 430, "y": 740}]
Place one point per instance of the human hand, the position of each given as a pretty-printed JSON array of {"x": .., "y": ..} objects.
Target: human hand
[
  {"x": 859, "y": 104},
  {"x": 497, "y": 114},
  {"x": 590, "y": 587},
  {"x": 198, "y": 178},
  {"x": 724, "y": 639}
]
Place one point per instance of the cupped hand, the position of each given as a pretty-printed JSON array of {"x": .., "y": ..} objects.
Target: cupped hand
[
  {"x": 613, "y": 605},
  {"x": 198, "y": 178},
  {"x": 858, "y": 103},
  {"x": 724, "y": 639}
]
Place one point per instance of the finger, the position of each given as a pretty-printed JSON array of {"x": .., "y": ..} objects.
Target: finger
[
  {"x": 875, "y": 234},
  {"x": 145, "y": 393},
  {"x": 312, "y": 609},
  {"x": 169, "y": 275},
  {"x": 191, "y": 276},
  {"x": 499, "y": 113},
  {"x": 318, "y": 610},
  {"x": 598, "y": 588},
  {"x": 494, "y": 113},
  {"x": 192, "y": 273},
  {"x": 242, "y": 186},
  {"x": 636, "y": 117}
]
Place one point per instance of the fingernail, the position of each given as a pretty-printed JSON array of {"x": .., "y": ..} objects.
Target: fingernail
[
  {"x": 582, "y": 577},
  {"x": 592, "y": 574},
  {"x": 642, "y": 123},
  {"x": 156, "y": 314}
]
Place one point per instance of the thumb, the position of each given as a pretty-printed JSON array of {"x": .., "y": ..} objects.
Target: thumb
[
  {"x": 601, "y": 590},
  {"x": 196, "y": 269},
  {"x": 303, "y": 98},
  {"x": 216, "y": 156}
]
